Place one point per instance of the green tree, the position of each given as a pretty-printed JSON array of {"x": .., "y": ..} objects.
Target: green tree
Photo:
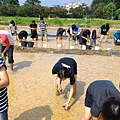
[
  {"x": 10, "y": 2},
  {"x": 32, "y": 2},
  {"x": 108, "y": 11},
  {"x": 117, "y": 14}
]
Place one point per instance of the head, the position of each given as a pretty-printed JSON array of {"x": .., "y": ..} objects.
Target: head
[
  {"x": 33, "y": 21},
  {"x": 20, "y": 37},
  {"x": 41, "y": 19},
  {"x": 107, "y": 25},
  {"x": 88, "y": 33},
  {"x": 73, "y": 26},
  {"x": 111, "y": 109},
  {"x": 118, "y": 32},
  {"x": 12, "y": 22},
  {"x": 64, "y": 73}
]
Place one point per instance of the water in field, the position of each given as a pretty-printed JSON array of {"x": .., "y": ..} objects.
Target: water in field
[
  {"x": 65, "y": 44},
  {"x": 32, "y": 85}
]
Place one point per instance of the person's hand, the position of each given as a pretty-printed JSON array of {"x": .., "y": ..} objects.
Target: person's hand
[
  {"x": 66, "y": 105},
  {"x": 60, "y": 89},
  {"x": 3, "y": 57}
]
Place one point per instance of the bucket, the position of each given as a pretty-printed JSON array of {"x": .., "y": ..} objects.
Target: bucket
[
  {"x": 30, "y": 44},
  {"x": 23, "y": 43}
]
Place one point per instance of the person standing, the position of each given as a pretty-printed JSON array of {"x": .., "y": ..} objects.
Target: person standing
[
  {"x": 13, "y": 28},
  {"x": 4, "y": 82},
  {"x": 7, "y": 48},
  {"x": 104, "y": 31},
  {"x": 102, "y": 100},
  {"x": 33, "y": 28},
  {"x": 43, "y": 29},
  {"x": 66, "y": 68}
]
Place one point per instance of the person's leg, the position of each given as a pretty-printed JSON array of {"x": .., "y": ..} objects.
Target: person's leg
[
  {"x": 106, "y": 38},
  {"x": 69, "y": 37},
  {"x": 87, "y": 115},
  {"x": 10, "y": 57},
  {"x": 101, "y": 38},
  {"x": 4, "y": 115}
]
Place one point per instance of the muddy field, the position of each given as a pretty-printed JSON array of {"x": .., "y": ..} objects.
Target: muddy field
[{"x": 31, "y": 91}]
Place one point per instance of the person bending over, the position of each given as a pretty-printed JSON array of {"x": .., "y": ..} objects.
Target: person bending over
[
  {"x": 22, "y": 35},
  {"x": 66, "y": 68},
  {"x": 60, "y": 32},
  {"x": 102, "y": 100},
  {"x": 73, "y": 31},
  {"x": 117, "y": 37}
]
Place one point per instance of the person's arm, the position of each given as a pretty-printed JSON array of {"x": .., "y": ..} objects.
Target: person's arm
[
  {"x": 4, "y": 79},
  {"x": 7, "y": 47},
  {"x": 69, "y": 98}
]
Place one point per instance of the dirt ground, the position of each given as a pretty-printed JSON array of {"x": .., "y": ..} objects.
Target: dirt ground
[{"x": 31, "y": 91}]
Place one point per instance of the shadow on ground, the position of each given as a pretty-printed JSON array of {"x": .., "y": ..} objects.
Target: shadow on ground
[
  {"x": 21, "y": 65},
  {"x": 38, "y": 113}
]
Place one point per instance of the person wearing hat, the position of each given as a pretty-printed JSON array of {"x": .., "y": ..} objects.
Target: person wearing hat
[
  {"x": 102, "y": 100},
  {"x": 7, "y": 42},
  {"x": 33, "y": 28},
  {"x": 66, "y": 68},
  {"x": 117, "y": 37},
  {"x": 43, "y": 29},
  {"x": 73, "y": 31}
]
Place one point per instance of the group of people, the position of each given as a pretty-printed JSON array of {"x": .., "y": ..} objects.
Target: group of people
[{"x": 102, "y": 97}]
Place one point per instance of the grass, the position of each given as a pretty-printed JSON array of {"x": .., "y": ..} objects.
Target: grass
[{"x": 25, "y": 21}]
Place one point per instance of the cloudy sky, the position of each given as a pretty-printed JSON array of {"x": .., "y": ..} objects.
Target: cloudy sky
[{"x": 58, "y": 2}]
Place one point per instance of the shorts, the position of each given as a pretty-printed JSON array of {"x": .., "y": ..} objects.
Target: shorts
[{"x": 43, "y": 33}]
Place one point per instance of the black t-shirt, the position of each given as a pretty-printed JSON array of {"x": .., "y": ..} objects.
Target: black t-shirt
[
  {"x": 104, "y": 30},
  {"x": 60, "y": 31},
  {"x": 33, "y": 26},
  {"x": 22, "y": 34},
  {"x": 97, "y": 93},
  {"x": 69, "y": 62}
]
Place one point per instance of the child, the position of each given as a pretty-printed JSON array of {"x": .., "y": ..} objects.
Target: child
[
  {"x": 94, "y": 37},
  {"x": 43, "y": 29},
  {"x": 33, "y": 28}
]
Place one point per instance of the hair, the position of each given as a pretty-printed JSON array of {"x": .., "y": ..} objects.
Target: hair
[
  {"x": 64, "y": 72},
  {"x": 94, "y": 34},
  {"x": 73, "y": 26},
  {"x": 12, "y": 22},
  {"x": 107, "y": 25},
  {"x": 33, "y": 21},
  {"x": 111, "y": 110}
]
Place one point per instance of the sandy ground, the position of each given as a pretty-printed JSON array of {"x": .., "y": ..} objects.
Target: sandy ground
[{"x": 31, "y": 91}]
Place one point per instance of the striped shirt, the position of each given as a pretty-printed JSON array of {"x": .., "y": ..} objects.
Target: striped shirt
[
  {"x": 43, "y": 26},
  {"x": 3, "y": 93}
]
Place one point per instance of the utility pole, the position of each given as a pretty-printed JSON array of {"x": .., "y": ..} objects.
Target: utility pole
[{"x": 112, "y": 10}]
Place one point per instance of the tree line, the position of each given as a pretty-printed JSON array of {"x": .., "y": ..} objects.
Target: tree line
[{"x": 105, "y": 9}]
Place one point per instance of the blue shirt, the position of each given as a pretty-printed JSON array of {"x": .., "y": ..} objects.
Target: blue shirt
[{"x": 116, "y": 35}]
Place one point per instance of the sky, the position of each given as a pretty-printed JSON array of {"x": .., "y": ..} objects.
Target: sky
[{"x": 58, "y": 2}]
